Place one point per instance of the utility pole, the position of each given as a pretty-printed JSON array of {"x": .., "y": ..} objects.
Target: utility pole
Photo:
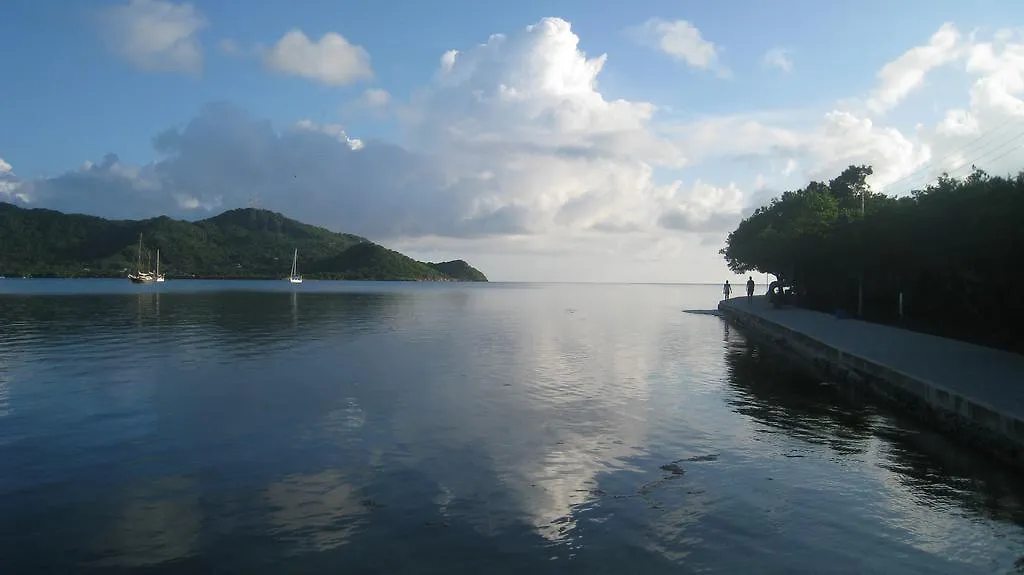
[{"x": 860, "y": 278}]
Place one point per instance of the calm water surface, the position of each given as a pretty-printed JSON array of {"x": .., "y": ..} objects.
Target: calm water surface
[{"x": 257, "y": 427}]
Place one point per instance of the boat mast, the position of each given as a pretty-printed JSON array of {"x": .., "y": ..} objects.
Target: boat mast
[
  {"x": 295, "y": 260},
  {"x": 138, "y": 258}
]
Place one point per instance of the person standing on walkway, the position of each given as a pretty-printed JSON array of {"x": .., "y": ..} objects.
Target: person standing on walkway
[
  {"x": 750, "y": 289},
  {"x": 727, "y": 289}
]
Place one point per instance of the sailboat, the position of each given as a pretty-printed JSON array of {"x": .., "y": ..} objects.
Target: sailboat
[
  {"x": 295, "y": 278},
  {"x": 159, "y": 278},
  {"x": 140, "y": 276}
]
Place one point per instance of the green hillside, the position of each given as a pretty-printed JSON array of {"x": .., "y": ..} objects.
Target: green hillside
[
  {"x": 240, "y": 243},
  {"x": 371, "y": 261},
  {"x": 459, "y": 269}
]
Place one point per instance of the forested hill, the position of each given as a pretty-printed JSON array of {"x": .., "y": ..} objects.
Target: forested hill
[{"x": 240, "y": 243}]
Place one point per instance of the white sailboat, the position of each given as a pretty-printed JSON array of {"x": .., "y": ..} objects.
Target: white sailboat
[
  {"x": 159, "y": 277},
  {"x": 295, "y": 278},
  {"x": 140, "y": 276}
]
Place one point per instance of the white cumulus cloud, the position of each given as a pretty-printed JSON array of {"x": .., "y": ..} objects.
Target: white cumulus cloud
[
  {"x": 907, "y": 73},
  {"x": 376, "y": 98},
  {"x": 229, "y": 47},
  {"x": 331, "y": 60},
  {"x": 513, "y": 158},
  {"x": 9, "y": 184},
  {"x": 989, "y": 131},
  {"x": 780, "y": 58},
  {"x": 156, "y": 35},
  {"x": 510, "y": 139},
  {"x": 681, "y": 40},
  {"x": 820, "y": 149}
]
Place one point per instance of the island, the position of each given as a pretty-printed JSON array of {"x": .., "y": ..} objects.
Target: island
[
  {"x": 941, "y": 260},
  {"x": 244, "y": 243}
]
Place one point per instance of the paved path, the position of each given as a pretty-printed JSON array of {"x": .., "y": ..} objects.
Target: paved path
[{"x": 991, "y": 377}]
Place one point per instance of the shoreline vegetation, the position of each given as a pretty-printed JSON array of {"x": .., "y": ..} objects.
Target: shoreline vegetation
[
  {"x": 239, "y": 244},
  {"x": 942, "y": 260}
]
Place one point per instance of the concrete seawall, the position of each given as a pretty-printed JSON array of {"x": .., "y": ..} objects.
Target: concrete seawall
[{"x": 972, "y": 392}]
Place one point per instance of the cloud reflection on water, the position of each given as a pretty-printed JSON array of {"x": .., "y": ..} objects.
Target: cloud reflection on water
[
  {"x": 316, "y": 511},
  {"x": 477, "y": 423},
  {"x": 554, "y": 402},
  {"x": 155, "y": 523}
]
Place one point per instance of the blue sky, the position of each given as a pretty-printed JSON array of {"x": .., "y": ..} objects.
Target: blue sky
[
  {"x": 72, "y": 94},
  {"x": 120, "y": 108}
]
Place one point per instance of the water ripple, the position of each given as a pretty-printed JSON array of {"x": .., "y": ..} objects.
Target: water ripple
[{"x": 398, "y": 428}]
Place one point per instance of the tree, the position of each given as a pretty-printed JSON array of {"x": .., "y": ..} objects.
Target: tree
[
  {"x": 850, "y": 188},
  {"x": 951, "y": 249},
  {"x": 775, "y": 237}
]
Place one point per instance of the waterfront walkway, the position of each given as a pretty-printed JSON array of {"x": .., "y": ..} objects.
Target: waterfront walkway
[{"x": 991, "y": 378}]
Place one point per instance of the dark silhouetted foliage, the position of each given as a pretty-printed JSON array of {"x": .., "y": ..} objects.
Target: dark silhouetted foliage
[
  {"x": 241, "y": 243},
  {"x": 949, "y": 249}
]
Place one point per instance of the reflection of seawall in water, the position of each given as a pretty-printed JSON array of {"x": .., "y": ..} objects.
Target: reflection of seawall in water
[
  {"x": 915, "y": 470},
  {"x": 781, "y": 397}
]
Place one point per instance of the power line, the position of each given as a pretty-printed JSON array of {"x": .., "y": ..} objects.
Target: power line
[
  {"x": 983, "y": 156},
  {"x": 927, "y": 167},
  {"x": 1008, "y": 152},
  {"x": 1009, "y": 145}
]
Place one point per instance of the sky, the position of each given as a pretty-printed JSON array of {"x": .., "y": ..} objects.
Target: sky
[{"x": 579, "y": 140}]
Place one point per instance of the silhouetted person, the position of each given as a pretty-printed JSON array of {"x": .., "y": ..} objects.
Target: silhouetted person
[
  {"x": 727, "y": 289},
  {"x": 750, "y": 289}
]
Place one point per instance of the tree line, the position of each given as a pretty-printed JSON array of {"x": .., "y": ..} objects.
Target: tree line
[{"x": 950, "y": 249}]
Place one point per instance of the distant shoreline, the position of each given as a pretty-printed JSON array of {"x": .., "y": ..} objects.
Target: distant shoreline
[
  {"x": 231, "y": 278},
  {"x": 239, "y": 244}
]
